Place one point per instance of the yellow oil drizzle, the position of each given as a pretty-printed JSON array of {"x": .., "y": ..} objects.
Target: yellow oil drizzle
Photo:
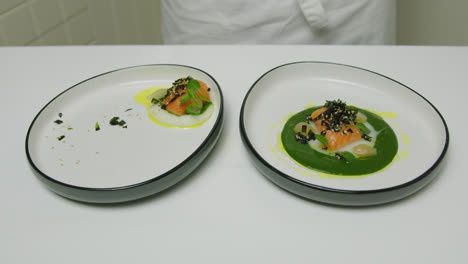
[
  {"x": 279, "y": 148},
  {"x": 142, "y": 98},
  {"x": 388, "y": 115},
  {"x": 404, "y": 153},
  {"x": 309, "y": 105},
  {"x": 286, "y": 118}
]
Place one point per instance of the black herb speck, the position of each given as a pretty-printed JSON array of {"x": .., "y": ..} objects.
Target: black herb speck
[
  {"x": 61, "y": 137},
  {"x": 129, "y": 109},
  {"x": 339, "y": 156},
  {"x": 58, "y": 122},
  {"x": 60, "y": 115},
  {"x": 116, "y": 122}
]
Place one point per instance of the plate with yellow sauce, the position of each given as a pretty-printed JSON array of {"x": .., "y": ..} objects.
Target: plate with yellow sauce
[
  {"x": 111, "y": 138},
  {"x": 340, "y": 134}
]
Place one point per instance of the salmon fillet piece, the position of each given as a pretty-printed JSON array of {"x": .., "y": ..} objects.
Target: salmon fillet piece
[
  {"x": 336, "y": 139},
  {"x": 174, "y": 105}
]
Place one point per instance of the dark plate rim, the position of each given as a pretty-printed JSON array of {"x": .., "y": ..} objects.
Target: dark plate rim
[
  {"x": 250, "y": 147},
  {"x": 217, "y": 123}
]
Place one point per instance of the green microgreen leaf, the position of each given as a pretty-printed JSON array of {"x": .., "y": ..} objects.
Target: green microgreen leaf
[
  {"x": 97, "y": 127},
  {"x": 192, "y": 110},
  {"x": 198, "y": 103},
  {"x": 363, "y": 128},
  {"x": 348, "y": 155},
  {"x": 191, "y": 93},
  {"x": 322, "y": 139},
  {"x": 204, "y": 99},
  {"x": 193, "y": 85},
  {"x": 185, "y": 98}
]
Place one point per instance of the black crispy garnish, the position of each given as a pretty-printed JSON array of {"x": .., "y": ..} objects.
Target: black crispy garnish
[
  {"x": 304, "y": 136},
  {"x": 311, "y": 135},
  {"x": 58, "y": 122},
  {"x": 337, "y": 115},
  {"x": 61, "y": 137},
  {"x": 60, "y": 115},
  {"x": 301, "y": 138}
]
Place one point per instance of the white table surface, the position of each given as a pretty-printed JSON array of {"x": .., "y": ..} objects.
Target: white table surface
[{"x": 226, "y": 211}]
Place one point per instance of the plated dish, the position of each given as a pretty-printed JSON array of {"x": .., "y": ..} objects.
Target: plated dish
[
  {"x": 340, "y": 134},
  {"x": 339, "y": 139},
  {"x": 108, "y": 139}
]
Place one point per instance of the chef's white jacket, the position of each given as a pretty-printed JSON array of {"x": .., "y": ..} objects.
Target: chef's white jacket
[{"x": 278, "y": 21}]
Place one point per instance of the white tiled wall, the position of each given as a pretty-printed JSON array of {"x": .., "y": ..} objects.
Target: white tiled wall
[{"x": 79, "y": 22}]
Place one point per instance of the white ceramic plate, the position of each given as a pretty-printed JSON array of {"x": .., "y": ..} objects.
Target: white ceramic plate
[
  {"x": 114, "y": 163},
  {"x": 293, "y": 87}
]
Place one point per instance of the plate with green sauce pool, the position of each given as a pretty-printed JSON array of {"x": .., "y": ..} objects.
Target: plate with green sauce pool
[
  {"x": 342, "y": 135},
  {"x": 126, "y": 134}
]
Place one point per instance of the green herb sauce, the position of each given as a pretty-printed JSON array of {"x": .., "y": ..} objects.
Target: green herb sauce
[{"x": 386, "y": 144}]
